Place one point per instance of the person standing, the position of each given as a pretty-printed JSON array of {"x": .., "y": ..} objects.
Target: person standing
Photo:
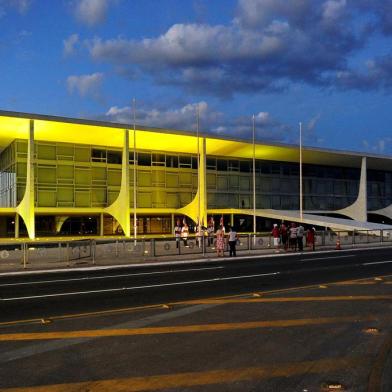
[
  {"x": 284, "y": 237},
  {"x": 210, "y": 234},
  {"x": 184, "y": 234},
  {"x": 220, "y": 242},
  {"x": 177, "y": 233},
  {"x": 199, "y": 235},
  {"x": 300, "y": 237},
  {"x": 293, "y": 237},
  {"x": 311, "y": 238},
  {"x": 276, "y": 237},
  {"x": 233, "y": 237}
]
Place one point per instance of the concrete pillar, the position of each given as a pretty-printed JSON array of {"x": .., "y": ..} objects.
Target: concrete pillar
[
  {"x": 16, "y": 225},
  {"x": 120, "y": 208},
  {"x": 101, "y": 225},
  {"x": 26, "y": 208}
]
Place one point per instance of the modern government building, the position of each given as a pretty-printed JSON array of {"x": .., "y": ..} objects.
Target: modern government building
[{"x": 62, "y": 176}]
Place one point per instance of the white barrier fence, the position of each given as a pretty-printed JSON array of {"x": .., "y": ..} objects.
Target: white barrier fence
[{"x": 128, "y": 250}]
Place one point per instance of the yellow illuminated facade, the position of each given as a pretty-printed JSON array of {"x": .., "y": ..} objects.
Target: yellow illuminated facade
[{"x": 59, "y": 175}]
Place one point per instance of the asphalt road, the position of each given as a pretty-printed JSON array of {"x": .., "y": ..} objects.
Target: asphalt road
[
  {"x": 50, "y": 294},
  {"x": 260, "y": 324}
]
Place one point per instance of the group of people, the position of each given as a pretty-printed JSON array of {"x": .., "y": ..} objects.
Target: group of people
[
  {"x": 181, "y": 232},
  {"x": 292, "y": 237}
]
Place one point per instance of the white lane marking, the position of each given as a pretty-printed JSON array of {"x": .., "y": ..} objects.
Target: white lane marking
[
  {"x": 329, "y": 257},
  {"x": 137, "y": 287},
  {"x": 378, "y": 262},
  {"x": 106, "y": 277}
]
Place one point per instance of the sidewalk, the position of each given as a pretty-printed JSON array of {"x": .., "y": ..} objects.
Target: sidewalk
[{"x": 41, "y": 264}]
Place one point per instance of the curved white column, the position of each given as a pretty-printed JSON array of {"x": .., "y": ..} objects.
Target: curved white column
[
  {"x": 26, "y": 208},
  {"x": 358, "y": 210},
  {"x": 120, "y": 208}
]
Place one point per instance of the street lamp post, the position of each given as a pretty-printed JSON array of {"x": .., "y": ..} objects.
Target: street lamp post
[
  {"x": 300, "y": 174},
  {"x": 254, "y": 174},
  {"x": 134, "y": 172}
]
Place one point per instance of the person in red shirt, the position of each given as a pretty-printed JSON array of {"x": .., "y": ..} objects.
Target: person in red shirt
[
  {"x": 284, "y": 235},
  {"x": 276, "y": 236},
  {"x": 311, "y": 238}
]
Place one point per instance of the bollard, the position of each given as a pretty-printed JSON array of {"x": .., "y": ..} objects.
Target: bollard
[
  {"x": 68, "y": 259},
  {"x": 93, "y": 247},
  {"x": 25, "y": 255}
]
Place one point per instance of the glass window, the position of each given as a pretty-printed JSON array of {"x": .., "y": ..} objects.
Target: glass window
[
  {"x": 144, "y": 159},
  {"x": 114, "y": 157},
  {"x": 194, "y": 163},
  {"x": 246, "y": 166},
  {"x": 222, "y": 164},
  {"x": 265, "y": 168},
  {"x": 98, "y": 155},
  {"x": 234, "y": 165},
  {"x": 275, "y": 167},
  {"x": 185, "y": 161},
  {"x": 158, "y": 160},
  {"x": 171, "y": 160},
  {"x": 211, "y": 163}
]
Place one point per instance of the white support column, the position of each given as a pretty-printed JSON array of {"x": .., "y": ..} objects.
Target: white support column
[
  {"x": 101, "y": 224},
  {"x": 26, "y": 208},
  {"x": 195, "y": 208},
  {"x": 16, "y": 226},
  {"x": 120, "y": 207},
  {"x": 358, "y": 210}
]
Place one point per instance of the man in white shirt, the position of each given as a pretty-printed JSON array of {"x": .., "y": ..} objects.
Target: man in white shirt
[{"x": 232, "y": 241}]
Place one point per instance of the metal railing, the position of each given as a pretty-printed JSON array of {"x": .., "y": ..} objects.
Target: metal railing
[{"x": 106, "y": 251}]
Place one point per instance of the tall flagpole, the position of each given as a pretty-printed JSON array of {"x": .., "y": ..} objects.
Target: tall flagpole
[
  {"x": 300, "y": 173},
  {"x": 254, "y": 174},
  {"x": 198, "y": 164},
  {"x": 134, "y": 172}
]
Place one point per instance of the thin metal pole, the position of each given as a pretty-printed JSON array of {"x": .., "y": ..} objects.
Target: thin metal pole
[
  {"x": 134, "y": 173},
  {"x": 254, "y": 174},
  {"x": 198, "y": 167},
  {"x": 300, "y": 173}
]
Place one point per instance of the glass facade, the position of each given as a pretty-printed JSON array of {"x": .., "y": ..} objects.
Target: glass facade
[{"x": 72, "y": 175}]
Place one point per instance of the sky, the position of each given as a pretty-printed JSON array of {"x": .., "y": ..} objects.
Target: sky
[{"x": 324, "y": 63}]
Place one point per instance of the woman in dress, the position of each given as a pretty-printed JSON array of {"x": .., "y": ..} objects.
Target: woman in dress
[{"x": 220, "y": 242}]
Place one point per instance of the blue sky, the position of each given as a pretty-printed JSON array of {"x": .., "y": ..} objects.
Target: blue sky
[{"x": 326, "y": 63}]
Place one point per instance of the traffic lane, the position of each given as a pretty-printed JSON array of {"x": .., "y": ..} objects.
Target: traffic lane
[
  {"x": 50, "y": 283},
  {"x": 217, "y": 282},
  {"x": 272, "y": 358},
  {"x": 243, "y": 261},
  {"x": 48, "y": 306},
  {"x": 112, "y": 283}
]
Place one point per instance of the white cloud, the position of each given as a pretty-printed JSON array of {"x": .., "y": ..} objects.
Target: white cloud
[
  {"x": 181, "y": 118},
  {"x": 92, "y": 12},
  {"x": 69, "y": 44},
  {"x": 85, "y": 85},
  {"x": 265, "y": 48},
  {"x": 379, "y": 146},
  {"x": 21, "y": 5},
  {"x": 211, "y": 121},
  {"x": 333, "y": 10}
]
